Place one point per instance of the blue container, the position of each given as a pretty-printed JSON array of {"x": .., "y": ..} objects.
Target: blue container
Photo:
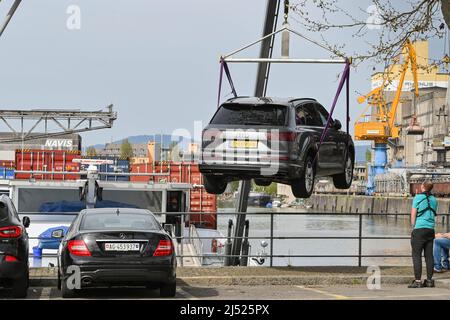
[
  {"x": 37, "y": 252},
  {"x": 6, "y": 173}
]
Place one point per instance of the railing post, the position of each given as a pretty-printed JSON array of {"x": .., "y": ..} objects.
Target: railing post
[
  {"x": 182, "y": 239},
  {"x": 360, "y": 241},
  {"x": 271, "y": 239}
]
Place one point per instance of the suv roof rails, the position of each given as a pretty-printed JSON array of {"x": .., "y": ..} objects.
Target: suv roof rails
[
  {"x": 232, "y": 98},
  {"x": 297, "y": 99}
]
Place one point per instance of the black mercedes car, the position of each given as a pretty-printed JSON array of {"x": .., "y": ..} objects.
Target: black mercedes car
[
  {"x": 13, "y": 249},
  {"x": 116, "y": 247},
  {"x": 275, "y": 140}
]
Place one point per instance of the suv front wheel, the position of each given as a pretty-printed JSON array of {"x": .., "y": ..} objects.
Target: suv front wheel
[
  {"x": 344, "y": 180},
  {"x": 214, "y": 185},
  {"x": 304, "y": 186}
]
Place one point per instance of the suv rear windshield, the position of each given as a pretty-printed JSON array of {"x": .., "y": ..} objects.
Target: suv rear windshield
[
  {"x": 3, "y": 211},
  {"x": 246, "y": 114},
  {"x": 122, "y": 221}
]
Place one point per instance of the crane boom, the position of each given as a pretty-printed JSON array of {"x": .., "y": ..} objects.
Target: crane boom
[{"x": 413, "y": 59}]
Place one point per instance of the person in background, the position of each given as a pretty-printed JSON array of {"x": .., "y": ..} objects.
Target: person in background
[
  {"x": 441, "y": 247},
  {"x": 423, "y": 213}
]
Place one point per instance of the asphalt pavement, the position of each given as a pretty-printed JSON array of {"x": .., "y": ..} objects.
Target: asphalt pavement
[{"x": 278, "y": 292}]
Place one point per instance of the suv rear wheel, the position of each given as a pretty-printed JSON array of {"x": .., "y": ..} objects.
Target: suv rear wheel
[
  {"x": 344, "y": 180},
  {"x": 214, "y": 185},
  {"x": 304, "y": 186}
]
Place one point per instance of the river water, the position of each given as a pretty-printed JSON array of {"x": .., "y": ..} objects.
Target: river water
[{"x": 331, "y": 225}]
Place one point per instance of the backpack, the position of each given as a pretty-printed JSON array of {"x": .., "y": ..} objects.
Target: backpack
[{"x": 427, "y": 197}]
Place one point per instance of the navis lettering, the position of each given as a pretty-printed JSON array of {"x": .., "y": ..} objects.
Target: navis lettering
[{"x": 59, "y": 143}]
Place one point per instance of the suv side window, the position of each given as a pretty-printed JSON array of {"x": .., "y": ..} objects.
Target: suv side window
[
  {"x": 323, "y": 113},
  {"x": 306, "y": 115}
]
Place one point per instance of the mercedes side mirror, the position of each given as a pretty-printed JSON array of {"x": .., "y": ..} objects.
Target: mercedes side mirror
[
  {"x": 26, "y": 222},
  {"x": 168, "y": 228}
]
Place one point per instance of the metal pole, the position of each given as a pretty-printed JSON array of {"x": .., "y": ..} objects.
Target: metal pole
[
  {"x": 360, "y": 241},
  {"x": 283, "y": 60},
  {"x": 9, "y": 16},
  {"x": 244, "y": 190},
  {"x": 271, "y": 239},
  {"x": 182, "y": 238},
  {"x": 227, "y": 261},
  {"x": 245, "y": 246}
]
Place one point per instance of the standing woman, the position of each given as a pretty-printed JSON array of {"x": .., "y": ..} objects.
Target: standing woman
[{"x": 423, "y": 215}]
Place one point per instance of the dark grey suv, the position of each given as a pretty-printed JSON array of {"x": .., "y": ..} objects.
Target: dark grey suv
[{"x": 274, "y": 140}]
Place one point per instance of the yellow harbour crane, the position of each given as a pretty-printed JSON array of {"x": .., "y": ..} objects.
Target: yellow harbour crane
[{"x": 381, "y": 125}]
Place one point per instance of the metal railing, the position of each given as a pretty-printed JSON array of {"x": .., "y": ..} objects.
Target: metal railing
[{"x": 442, "y": 219}]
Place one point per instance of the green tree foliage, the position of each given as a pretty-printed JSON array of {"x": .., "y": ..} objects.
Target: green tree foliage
[
  {"x": 271, "y": 189},
  {"x": 126, "y": 149},
  {"x": 91, "y": 152},
  {"x": 368, "y": 155}
]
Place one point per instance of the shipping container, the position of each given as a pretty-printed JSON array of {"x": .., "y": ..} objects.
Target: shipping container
[
  {"x": 52, "y": 161},
  {"x": 6, "y": 173},
  {"x": 8, "y": 163},
  {"x": 119, "y": 165}
]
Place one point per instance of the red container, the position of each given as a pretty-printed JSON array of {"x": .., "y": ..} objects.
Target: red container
[
  {"x": 7, "y": 163},
  {"x": 47, "y": 160}
]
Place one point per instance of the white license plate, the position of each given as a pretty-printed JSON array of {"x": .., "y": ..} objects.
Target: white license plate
[{"x": 121, "y": 246}]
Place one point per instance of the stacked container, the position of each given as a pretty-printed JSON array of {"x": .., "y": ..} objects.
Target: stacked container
[
  {"x": 119, "y": 165},
  {"x": 47, "y": 160}
]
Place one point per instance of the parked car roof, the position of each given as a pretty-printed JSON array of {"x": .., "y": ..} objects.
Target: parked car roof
[
  {"x": 266, "y": 100},
  {"x": 114, "y": 210}
]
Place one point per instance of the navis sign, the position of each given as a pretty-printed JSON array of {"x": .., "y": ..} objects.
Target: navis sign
[{"x": 59, "y": 143}]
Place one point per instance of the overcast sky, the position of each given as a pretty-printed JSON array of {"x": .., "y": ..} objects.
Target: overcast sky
[{"x": 155, "y": 60}]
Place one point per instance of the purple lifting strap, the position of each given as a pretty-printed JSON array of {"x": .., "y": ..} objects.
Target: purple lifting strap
[
  {"x": 345, "y": 78},
  {"x": 224, "y": 66}
]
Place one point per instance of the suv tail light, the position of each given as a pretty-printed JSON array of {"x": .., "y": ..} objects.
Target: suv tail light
[
  {"x": 164, "y": 248},
  {"x": 78, "y": 248},
  {"x": 281, "y": 136},
  {"x": 11, "y": 232}
]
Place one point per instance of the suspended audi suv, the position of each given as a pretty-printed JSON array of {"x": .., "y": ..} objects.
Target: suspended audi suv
[{"x": 275, "y": 140}]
